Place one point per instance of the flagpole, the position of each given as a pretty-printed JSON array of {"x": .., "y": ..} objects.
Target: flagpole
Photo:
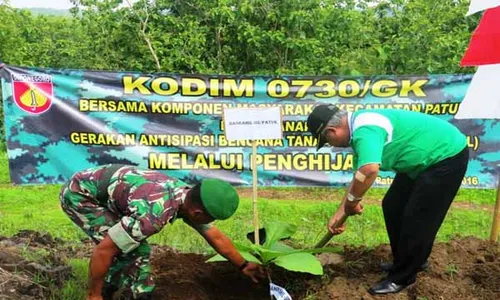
[{"x": 496, "y": 216}]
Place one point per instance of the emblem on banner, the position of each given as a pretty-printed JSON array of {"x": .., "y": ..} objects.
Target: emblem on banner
[{"x": 32, "y": 93}]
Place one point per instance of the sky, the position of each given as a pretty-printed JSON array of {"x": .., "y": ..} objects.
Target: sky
[{"x": 59, "y": 4}]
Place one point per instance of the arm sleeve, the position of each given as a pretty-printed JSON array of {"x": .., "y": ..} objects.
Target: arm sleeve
[
  {"x": 147, "y": 219},
  {"x": 368, "y": 145},
  {"x": 201, "y": 228}
]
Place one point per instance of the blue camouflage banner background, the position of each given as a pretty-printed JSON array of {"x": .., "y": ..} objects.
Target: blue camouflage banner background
[{"x": 58, "y": 122}]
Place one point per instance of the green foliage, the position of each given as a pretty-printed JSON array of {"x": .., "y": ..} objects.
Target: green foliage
[
  {"x": 300, "y": 262},
  {"x": 451, "y": 270},
  {"x": 4, "y": 169},
  {"x": 245, "y": 36},
  {"x": 273, "y": 251},
  {"x": 276, "y": 231}
]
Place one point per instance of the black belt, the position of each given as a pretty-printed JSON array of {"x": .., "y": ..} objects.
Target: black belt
[{"x": 102, "y": 185}]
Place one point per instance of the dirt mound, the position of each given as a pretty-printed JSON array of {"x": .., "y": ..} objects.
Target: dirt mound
[
  {"x": 188, "y": 277},
  {"x": 33, "y": 239},
  {"x": 466, "y": 268},
  {"x": 30, "y": 266}
]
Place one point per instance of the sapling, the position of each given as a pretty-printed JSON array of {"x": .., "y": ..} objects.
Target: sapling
[{"x": 272, "y": 251}]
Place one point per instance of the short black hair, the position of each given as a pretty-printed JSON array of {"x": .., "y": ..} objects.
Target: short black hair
[{"x": 195, "y": 194}]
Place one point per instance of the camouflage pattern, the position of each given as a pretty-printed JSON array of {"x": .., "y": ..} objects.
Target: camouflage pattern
[
  {"x": 141, "y": 201},
  {"x": 39, "y": 145}
]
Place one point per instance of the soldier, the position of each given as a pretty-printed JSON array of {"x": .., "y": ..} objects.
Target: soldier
[
  {"x": 429, "y": 156},
  {"x": 119, "y": 206}
]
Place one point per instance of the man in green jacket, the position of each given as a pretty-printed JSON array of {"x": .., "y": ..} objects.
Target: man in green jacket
[
  {"x": 430, "y": 158},
  {"x": 120, "y": 206}
]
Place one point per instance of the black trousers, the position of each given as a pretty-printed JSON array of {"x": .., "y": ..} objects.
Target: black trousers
[{"x": 414, "y": 209}]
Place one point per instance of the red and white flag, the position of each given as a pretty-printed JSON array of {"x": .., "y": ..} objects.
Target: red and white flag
[
  {"x": 480, "y": 5},
  {"x": 482, "y": 100},
  {"x": 484, "y": 46}
]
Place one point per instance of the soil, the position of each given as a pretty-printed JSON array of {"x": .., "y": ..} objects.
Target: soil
[
  {"x": 34, "y": 278},
  {"x": 464, "y": 268},
  {"x": 467, "y": 268}
]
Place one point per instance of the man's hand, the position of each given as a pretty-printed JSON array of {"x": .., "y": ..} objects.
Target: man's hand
[
  {"x": 101, "y": 260},
  {"x": 352, "y": 208},
  {"x": 223, "y": 245},
  {"x": 336, "y": 225},
  {"x": 254, "y": 271}
]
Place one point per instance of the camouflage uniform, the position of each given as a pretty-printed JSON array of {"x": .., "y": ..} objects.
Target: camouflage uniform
[{"x": 129, "y": 205}]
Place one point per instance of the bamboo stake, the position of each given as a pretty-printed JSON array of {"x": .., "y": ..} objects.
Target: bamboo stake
[{"x": 254, "y": 192}]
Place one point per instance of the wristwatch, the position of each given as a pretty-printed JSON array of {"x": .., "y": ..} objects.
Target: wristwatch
[
  {"x": 351, "y": 198},
  {"x": 244, "y": 265}
]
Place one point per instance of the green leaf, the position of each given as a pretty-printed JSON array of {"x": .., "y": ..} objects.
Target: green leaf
[
  {"x": 242, "y": 247},
  {"x": 216, "y": 258},
  {"x": 323, "y": 250},
  {"x": 250, "y": 257},
  {"x": 276, "y": 231},
  {"x": 276, "y": 250},
  {"x": 278, "y": 246},
  {"x": 300, "y": 262},
  {"x": 256, "y": 249},
  {"x": 268, "y": 255},
  {"x": 246, "y": 255}
]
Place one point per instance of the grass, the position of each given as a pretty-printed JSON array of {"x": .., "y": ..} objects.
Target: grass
[
  {"x": 311, "y": 217},
  {"x": 470, "y": 196},
  {"x": 37, "y": 208},
  {"x": 75, "y": 287}
]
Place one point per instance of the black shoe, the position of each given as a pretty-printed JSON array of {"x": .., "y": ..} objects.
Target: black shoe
[
  {"x": 108, "y": 291},
  {"x": 386, "y": 287},
  {"x": 387, "y": 266},
  {"x": 145, "y": 296}
]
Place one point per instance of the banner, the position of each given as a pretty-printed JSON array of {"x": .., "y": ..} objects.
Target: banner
[{"x": 58, "y": 122}]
